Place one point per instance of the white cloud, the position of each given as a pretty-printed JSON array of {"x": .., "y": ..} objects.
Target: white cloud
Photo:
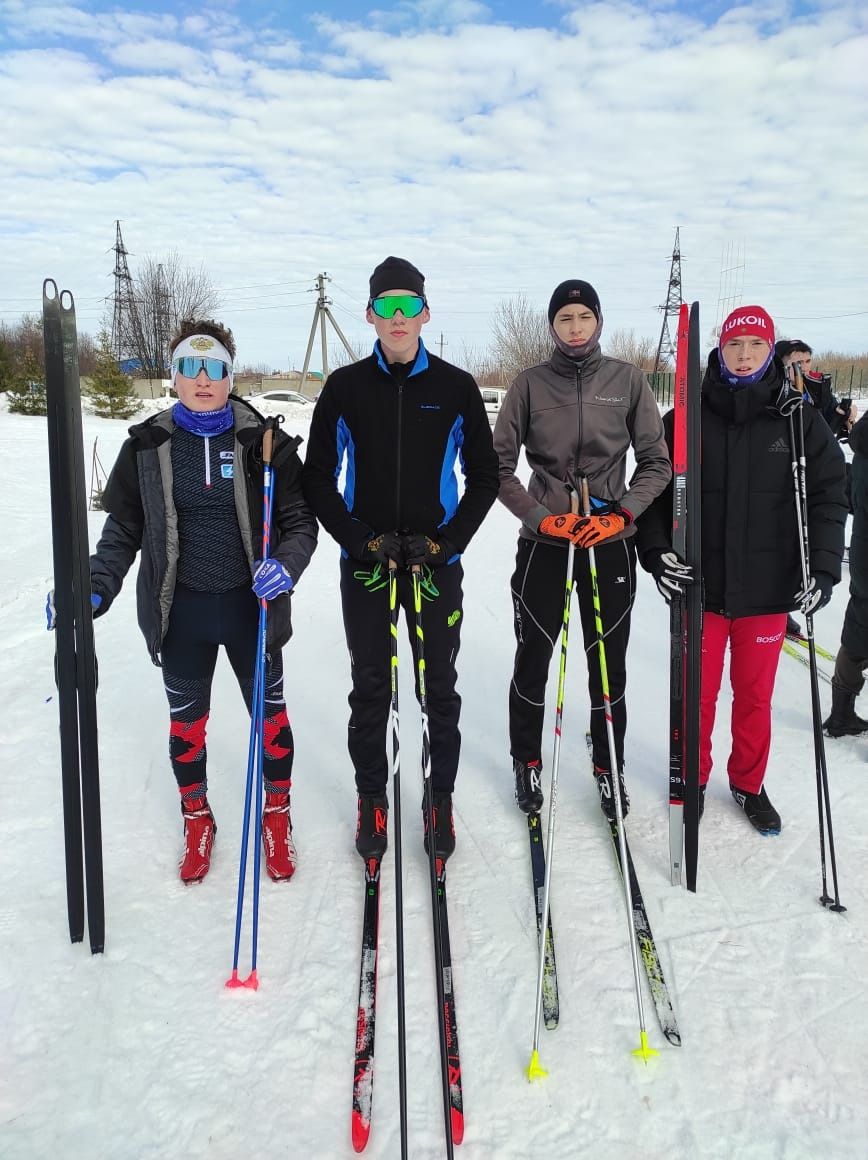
[{"x": 500, "y": 159}]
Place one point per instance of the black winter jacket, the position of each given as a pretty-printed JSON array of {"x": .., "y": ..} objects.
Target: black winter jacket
[
  {"x": 751, "y": 553},
  {"x": 401, "y": 440},
  {"x": 138, "y": 498},
  {"x": 854, "y": 636}
]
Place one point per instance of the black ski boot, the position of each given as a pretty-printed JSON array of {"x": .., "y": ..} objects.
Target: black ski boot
[
  {"x": 372, "y": 825},
  {"x": 794, "y": 629},
  {"x": 607, "y": 797},
  {"x": 528, "y": 785},
  {"x": 760, "y": 812},
  {"x": 843, "y": 721},
  {"x": 444, "y": 825}
]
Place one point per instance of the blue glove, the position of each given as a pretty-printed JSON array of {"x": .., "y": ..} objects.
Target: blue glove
[
  {"x": 271, "y": 579},
  {"x": 51, "y": 611}
]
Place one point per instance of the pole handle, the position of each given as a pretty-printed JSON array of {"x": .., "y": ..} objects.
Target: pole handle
[
  {"x": 267, "y": 443},
  {"x": 586, "y": 497}
]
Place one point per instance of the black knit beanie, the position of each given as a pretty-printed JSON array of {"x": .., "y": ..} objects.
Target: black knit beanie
[
  {"x": 574, "y": 291},
  {"x": 396, "y": 274}
]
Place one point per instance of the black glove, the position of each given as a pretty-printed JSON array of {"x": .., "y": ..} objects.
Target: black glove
[
  {"x": 671, "y": 574},
  {"x": 419, "y": 549},
  {"x": 384, "y": 547},
  {"x": 816, "y": 594}
]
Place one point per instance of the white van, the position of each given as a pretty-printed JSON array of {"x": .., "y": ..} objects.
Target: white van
[{"x": 492, "y": 397}]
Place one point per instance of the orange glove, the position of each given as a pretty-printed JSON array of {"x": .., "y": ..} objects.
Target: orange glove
[
  {"x": 592, "y": 530},
  {"x": 560, "y": 527}
]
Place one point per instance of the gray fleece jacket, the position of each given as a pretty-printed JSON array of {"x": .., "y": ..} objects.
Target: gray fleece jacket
[{"x": 577, "y": 418}]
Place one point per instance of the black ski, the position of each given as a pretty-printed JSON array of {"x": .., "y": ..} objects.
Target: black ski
[
  {"x": 693, "y": 605},
  {"x": 644, "y": 937},
  {"x": 75, "y": 661},
  {"x": 450, "y": 1020},
  {"x": 551, "y": 1005},
  {"x": 648, "y": 949},
  {"x": 363, "y": 1073}
]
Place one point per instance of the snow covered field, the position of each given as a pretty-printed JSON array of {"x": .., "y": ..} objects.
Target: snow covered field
[{"x": 142, "y": 1054}]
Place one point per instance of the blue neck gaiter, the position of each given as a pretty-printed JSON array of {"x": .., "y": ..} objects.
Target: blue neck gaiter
[
  {"x": 203, "y": 423},
  {"x": 735, "y": 382}
]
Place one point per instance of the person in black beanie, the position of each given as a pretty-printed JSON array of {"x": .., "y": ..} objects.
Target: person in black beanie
[
  {"x": 400, "y": 418},
  {"x": 576, "y": 415}
]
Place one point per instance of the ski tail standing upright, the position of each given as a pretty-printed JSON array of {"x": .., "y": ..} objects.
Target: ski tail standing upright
[
  {"x": 751, "y": 549},
  {"x": 401, "y": 420},
  {"x": 186, "y": 491},
  {"x": 70, "y": 612}
]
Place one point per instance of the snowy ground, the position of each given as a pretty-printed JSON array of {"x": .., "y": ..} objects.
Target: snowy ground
[{"x": 141, "y": 1053}]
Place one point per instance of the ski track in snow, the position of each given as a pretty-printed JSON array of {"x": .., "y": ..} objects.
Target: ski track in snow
[{"x": 141, "y": 1053}]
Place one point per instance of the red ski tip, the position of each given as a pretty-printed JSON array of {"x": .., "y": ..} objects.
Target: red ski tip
[
  {"x": 361, "y": 1132},
  {"x": 252, "y": 981},
  {"x": 233, "y": 980},
  {"x": 457, "y": 1126}
]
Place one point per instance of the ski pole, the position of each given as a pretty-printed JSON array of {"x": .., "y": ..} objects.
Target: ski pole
[
  {"x": 416, "y": 573},
  {"x": 824, "y": 807},
  {"x": 643, "y": 1051},
  {"x": 534, "y": 1068},
  {"x": 396, "y": 831},
  {"x": 255, "y": 747}
]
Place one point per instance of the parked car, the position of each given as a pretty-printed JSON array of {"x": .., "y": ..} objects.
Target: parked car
[
  {"x": 281, "y": 397},
  {"x": 492, "y": 397}
]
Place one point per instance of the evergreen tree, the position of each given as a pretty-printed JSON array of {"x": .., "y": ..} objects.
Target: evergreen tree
[
  {"x": 7, "y": 367},
  {"x": 26, "y": 392},
  {"x": 110, "y": 391}
]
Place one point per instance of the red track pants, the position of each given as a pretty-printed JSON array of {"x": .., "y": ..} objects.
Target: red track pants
[{"x": 755, "y": 644}]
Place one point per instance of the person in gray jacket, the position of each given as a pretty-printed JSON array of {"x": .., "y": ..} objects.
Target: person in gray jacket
[
  {"x": 186, "y": 491},
  {"x": 576, "y": 416}
]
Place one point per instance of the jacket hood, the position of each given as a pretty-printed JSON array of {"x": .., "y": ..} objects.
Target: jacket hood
[
  {"x": 564, "y": 365},
  {"x": 742, "y": 405}
]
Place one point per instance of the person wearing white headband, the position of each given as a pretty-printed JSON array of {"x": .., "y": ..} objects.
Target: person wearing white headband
[{"x": 186, "y": 490}]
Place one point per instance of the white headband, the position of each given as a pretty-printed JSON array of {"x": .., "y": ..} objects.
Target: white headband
[{"x": 202, "y": 346}]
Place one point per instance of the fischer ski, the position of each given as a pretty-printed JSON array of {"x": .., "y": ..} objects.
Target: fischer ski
[
  {"x": 677, "y": 610},
  {"x": 363, "y": 1073},
  {"x": 75, "y": 657},
  {"x": 551, "y": 1005},
  {"x": 450, "y": 1021},
  {"x": 803, "y": 657},
  {"x": 645, "y": 943},
  {"x": 803, "y": 642},
  {"x": 648, "y": 949}
]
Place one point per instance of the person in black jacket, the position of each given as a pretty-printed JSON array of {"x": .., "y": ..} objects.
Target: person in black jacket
[
  {"x": 751, "y": 550},
  {"x": 852, "y": 659},
  {"x": 186, "y": 490},
  {"x": 400, "y": 418}
]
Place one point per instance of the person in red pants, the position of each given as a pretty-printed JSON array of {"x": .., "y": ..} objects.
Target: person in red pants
[{"x": 751, "y": 549}]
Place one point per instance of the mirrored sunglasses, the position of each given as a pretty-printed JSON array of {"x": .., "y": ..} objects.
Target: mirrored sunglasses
[
  {"x": 190, "y": 365},
  {"x": 387, "y": 306}
]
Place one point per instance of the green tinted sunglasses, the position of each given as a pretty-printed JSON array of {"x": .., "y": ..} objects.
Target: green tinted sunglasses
[{"x": 387, "y": 306}]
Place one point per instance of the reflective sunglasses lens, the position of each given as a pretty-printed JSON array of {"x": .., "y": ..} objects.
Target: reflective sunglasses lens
[
  {"x": 190, "y": 365},
  {"x": 410, "y": 305}
]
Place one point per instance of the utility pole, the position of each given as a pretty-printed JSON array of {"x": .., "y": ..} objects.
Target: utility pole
[
  {"x": 666, "y": 347},
  {"x": 442, "y": 342},
  {"x": 322, "y": 312}
]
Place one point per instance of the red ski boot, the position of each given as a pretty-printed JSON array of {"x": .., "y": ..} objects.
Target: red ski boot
[
  {"x": 280, "y": 855},
  {"x": 199, "y": 831}
]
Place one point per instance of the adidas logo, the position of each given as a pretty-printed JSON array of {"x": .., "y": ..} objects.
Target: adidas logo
[{"x": 780, "y": 444}]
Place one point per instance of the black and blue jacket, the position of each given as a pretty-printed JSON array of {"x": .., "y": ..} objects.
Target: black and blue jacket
[{"x": 401, "y": 430}]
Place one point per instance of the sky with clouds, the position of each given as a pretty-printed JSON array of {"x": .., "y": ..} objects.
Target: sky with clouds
[{"x": 502, "y": 147}]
